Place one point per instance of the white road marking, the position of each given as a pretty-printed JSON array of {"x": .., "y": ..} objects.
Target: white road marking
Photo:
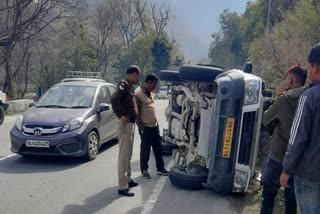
[
  {"x": 6, "y": 157},
  {"x": 151, "y": 202}
]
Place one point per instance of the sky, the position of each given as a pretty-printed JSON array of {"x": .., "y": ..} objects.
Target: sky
[{"x": 194, "y": 22}]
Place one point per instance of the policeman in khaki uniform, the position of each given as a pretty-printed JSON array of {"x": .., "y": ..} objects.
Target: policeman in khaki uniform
[{"x": 124, "y": 106}]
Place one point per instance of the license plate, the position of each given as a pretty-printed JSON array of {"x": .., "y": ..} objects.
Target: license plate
[
  {"x": 38, "y": 143},
  {"x": 228, "y": 135}
]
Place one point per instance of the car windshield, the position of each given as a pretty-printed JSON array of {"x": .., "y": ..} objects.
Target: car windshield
[
  {"x": 163, "y": 89},
  {"x": 67, "y": 96}
]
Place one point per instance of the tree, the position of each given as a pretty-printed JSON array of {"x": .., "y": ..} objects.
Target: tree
[
  {"x": 226, "y": 47},
  {"x": 288, "y": 43},
  {"x": 105, "y": 35},
  {"x": 161, "y": 53},
  {"x": 22, "y": 21},
  {"x": 160, "y": 18},
  {"x": 140, "y": 54}
]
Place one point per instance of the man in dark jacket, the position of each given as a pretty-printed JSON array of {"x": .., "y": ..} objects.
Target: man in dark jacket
[
  {"x": 280, "y": 116},
  {"x": 302, "y": 159},
  {"x": 124, "y": 106}
]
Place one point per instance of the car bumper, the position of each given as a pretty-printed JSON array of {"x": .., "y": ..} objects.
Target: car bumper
[{"x": 63, "y": 144}]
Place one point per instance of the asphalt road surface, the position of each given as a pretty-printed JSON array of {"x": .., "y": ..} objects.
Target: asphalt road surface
[{"x": 71, "y": 185}]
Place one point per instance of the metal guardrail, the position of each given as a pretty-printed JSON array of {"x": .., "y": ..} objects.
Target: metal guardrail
[{"x": 83, "y": 74}]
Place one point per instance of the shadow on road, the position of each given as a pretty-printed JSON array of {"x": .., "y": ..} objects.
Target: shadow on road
[
  {"x": 40, "y": 164},
  {"x": 134, "y": 210},
  {"x": 94, "y": 203}
]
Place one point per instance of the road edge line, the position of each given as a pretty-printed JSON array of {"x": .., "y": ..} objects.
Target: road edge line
[
  {"x": 8, "y": 156},
  {"x": 152, "y": 200}
]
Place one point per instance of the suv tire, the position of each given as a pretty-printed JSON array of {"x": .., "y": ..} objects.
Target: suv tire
[
  {"x": 2, "y": 114},
  {"x": 199, "y": 73},
  {"x": 186, "y": 180},
  {"x": 171, "y": 76}
]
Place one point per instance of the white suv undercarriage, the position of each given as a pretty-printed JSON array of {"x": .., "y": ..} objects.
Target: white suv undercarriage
[{"x": 214, "y": 122}]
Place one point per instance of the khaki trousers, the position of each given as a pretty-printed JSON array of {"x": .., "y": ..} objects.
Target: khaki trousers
[{"x": 126, "y": 138}]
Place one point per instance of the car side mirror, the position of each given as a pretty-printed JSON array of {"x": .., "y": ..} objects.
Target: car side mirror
[
  {"x": 32, "y": 104},
  {"x": 104, "y": 107}
]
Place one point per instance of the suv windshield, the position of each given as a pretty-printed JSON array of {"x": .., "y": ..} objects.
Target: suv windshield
[{"x": 68, "y": 96}]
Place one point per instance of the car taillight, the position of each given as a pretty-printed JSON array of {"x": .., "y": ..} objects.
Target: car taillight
[{"x": 6, "y": 98}]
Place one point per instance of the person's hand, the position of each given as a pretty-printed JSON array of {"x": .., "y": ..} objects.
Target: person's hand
[
  {"x": 284, "y": 180},
  {"x": 125, "y": 119}
]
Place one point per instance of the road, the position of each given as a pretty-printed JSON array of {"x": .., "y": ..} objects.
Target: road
[{"x": 73, "y": 186}]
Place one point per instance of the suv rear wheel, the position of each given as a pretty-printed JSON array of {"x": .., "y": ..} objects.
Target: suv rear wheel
[
  {"x": 170, "y": 76},
  {"x": 199, "y": 73}
]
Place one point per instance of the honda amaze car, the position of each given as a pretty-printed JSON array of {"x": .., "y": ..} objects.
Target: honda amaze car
[{"x": 70, "y": 119}]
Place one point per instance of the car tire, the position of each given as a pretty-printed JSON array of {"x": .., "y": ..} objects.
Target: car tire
[
  {"x": 2, "y": 114},
  {"x": 167, "y": 148},
  {"x": 199, "y": 73},
  {"x": 93, "y": 145},
  {"x": 171, "y": 76},
  {"x": 185, "y": 180}
]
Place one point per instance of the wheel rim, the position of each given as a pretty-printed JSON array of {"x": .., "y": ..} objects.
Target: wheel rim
[{"x": 93, "y": 145}]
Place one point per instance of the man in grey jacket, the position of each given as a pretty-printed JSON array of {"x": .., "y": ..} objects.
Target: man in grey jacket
[{"x": 302, "y": 159}]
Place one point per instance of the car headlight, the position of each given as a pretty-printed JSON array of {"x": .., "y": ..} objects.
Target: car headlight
[
  {"x": 251, "y": 94},
  {"x": 240, "y": 181},
  {"x": 18, "y": 123},
  {"x": 73, "y": 124}
]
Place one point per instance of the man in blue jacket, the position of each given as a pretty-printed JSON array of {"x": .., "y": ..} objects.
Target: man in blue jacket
[{"x": 302, "y": 159}]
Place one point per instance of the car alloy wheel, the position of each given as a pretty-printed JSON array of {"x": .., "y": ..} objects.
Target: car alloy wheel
[{"x": 92, "y": 146}]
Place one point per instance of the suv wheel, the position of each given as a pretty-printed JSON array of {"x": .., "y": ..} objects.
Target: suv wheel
[
  {"x": 93, "y": 145},
  {"x": 199, "y": 73},
  {"x": 185, "y": 180},
  {"x": 171, "y": 76},
  {"x": 2, "y": 113}
]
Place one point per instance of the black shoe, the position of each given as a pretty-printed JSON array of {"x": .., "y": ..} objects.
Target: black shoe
[
  {"x": 146, "y": 174},
  {"x": 132, "y": 184},
  {"x": 163, "y": 172},
  {"x": 125, "y": 192}
]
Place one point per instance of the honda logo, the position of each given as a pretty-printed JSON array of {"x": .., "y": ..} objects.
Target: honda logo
[{"x": 37, "y": 131}]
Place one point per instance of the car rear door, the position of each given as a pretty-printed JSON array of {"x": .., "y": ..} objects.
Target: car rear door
[{"x": 105, "y": 118}]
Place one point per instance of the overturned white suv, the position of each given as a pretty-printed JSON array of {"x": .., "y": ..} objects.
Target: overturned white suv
[{"x": 214, "y": 119}]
